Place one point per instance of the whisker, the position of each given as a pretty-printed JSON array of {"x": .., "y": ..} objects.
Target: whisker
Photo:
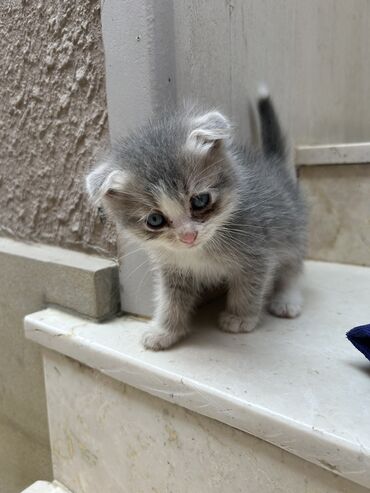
[{"x": 120, "y": 258}]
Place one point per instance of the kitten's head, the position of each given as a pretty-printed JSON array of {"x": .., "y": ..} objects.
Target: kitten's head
[{"x": 172, "y": 182}]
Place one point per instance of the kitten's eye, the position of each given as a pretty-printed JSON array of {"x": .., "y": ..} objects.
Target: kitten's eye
[
  {"x": 155, "y": 220},
  {"x": 200, "y": 201}
]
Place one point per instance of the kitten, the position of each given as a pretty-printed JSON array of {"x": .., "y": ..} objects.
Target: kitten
[{"x": 208, "y": 213}]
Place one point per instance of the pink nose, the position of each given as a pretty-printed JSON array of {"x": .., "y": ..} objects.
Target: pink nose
[{"x": 188, "y": 238}]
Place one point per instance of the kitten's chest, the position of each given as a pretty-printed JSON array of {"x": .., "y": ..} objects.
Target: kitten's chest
[{"x": 201, "y": 265}]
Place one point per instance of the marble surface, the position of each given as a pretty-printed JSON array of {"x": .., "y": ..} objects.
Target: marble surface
[
  {"x": 333, "y": 154},
  {"x": 339, "y": 200},
  {"x": 298, "y": 384},
  {"x": 108, "y": 437},
  {"x": 46, "y": 487}
]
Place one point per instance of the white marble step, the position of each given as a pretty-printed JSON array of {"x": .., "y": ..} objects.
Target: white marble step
[
  {"x": 46, "y": 487},
  {"x": 298, "y": 384}
]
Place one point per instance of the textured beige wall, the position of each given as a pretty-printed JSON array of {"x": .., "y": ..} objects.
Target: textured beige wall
[{"x": 53, "y": 121}]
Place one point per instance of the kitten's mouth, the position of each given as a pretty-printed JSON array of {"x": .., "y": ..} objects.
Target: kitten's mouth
[
  {"x": 186, "y": 246},
  {"x": 189, "y": 239}
]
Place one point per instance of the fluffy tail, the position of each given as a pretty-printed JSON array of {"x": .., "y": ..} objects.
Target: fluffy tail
[{"x": 273, "y": 141}]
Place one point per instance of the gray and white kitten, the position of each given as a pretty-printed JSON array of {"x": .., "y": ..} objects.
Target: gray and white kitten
[{"x": 208, "y": 213}]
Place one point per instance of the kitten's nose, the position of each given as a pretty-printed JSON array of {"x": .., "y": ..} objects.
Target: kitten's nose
[{"x": 188, "y": 238}]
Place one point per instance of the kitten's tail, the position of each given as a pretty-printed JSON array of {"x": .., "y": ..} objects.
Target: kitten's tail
[{"x": 273, "y": 141}]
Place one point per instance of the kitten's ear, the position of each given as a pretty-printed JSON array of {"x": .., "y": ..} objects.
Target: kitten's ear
[
  {"x": 209, "y": 131},
  {"x": 105, "y": 182}
]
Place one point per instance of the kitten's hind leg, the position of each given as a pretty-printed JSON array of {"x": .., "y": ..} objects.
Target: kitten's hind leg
[{"x": 286, "y": 300}]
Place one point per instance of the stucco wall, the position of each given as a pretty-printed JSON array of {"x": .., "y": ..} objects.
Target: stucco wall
[{"x": 53, "y": 121}]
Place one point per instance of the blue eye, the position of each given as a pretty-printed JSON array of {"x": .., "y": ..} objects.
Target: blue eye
[
  {"x": 200, "y": 201},
  {"x": 155, "y": 220}
]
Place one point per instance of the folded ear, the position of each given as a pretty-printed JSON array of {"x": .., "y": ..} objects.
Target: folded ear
[
  {"x": 105, "y": 182},
  {"x": 208, "y": 132}
]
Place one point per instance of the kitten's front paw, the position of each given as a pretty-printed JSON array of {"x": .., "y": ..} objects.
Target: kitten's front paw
[
  {"x": 157, "y": 340},
  {"x": 234, "y": 324}
]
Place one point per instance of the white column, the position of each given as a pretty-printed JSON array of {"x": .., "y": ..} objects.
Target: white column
[{"x": 140, "y": 70}]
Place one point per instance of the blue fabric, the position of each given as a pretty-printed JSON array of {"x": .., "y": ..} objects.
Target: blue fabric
[{"x": 360, "y": 338}]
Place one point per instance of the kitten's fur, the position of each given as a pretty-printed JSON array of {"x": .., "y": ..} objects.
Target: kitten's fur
[{"x": 252, "y": 236}]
